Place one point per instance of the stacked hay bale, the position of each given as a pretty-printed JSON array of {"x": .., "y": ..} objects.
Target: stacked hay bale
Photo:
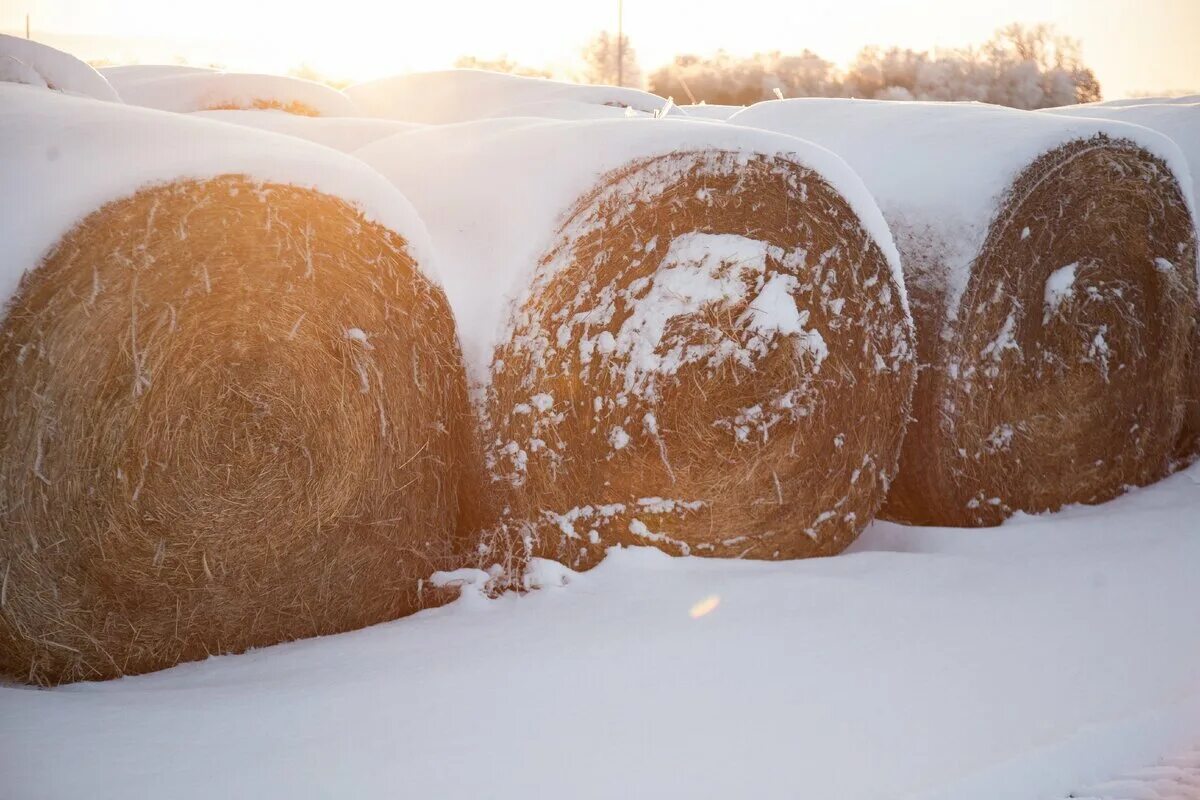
[
  {"x": 1181, "y": 123},
  {"x": 346, "y": 134},
  {"x": 687, "y": 336},
  {"x": 461, "y": 95},
  {"x": 232, "y": 404},
  {"x": 1051, "y": 264},
  {"x": 28, "y": 62},
  {"x": 211, "y": 90}
]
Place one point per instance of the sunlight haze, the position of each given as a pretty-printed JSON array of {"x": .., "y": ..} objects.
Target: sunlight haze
[{"x": 1133, "y": 47}]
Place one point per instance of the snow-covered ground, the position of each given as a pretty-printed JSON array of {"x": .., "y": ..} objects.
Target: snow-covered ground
[{"x": 1050, "y": 656}]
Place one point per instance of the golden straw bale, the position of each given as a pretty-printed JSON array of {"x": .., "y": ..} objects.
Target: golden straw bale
[{"x": 232, "y": 413}]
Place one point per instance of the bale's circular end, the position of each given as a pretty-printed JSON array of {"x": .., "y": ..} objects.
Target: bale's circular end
[
  {"x": 231, "y": 414},
  {"x": 1060, "y": 380},
  {"x": 714, "y": 360}
]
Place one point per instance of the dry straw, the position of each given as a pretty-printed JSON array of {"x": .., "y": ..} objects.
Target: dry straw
[
  {"x": 1033, "y": 400},
  {"x": 759, "y": 445},
  {"x": 230, "y": 415}
]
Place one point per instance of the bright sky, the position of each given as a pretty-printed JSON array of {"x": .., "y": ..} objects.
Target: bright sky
[{"x": 1133, "y": 45}]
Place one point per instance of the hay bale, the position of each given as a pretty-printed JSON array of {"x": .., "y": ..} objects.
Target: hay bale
[
  {"x": 692, "y": 337},
  {"x": 346, "y": 134},
  {"x": 462, "y": 95},
  {"x": 1050, "y": 263},
  {"x": 27, "y": 62},
  {"x": 232, "y": 408},
  {"x": 1180, "y": 122},
  {"x": 207, "y": 91}
]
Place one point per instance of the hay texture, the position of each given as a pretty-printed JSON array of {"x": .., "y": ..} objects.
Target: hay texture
[
  {"x": 27, "y": 62},
  {"x": 232, "y": 409},
  {"x": 703, "y": 343},
  {"x": 462, "y": 95},
  {"x": 1180, "y": 122},
  {"x": 1051, "y": 266},
  {"x": 204, "y": 90}
]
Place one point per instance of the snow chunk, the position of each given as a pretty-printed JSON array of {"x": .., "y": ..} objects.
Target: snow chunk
[{"x": 1059, "y": 284}]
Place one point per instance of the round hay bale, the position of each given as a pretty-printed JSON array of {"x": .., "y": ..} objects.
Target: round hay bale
[
  {"x": 1051, "y": 279},
  {"x": 1181, "y": 122},
  {"x": 31, "y": 63},
  {"x": 462, "y": 95},
  {"x": 346, "y": 134},
  {"x": 207, "y": 91},
  {"x": 707, "y": 348},
  {"x": 232, "y": 413}
]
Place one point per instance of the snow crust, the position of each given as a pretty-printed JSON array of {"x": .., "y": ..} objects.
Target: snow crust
[
  {"x": 1188, "y": 99},
  {"x": 200, "y": 90},
  {"x": 1059, "y": 285},
  {"x": 462, "y": 95},
  {"x": 63, "y": 157},
  {"x": 1031, "y": 660},
  {"x": 495, "y": 192},
  {"x": 940, "y": 170},
  {"x": 58, "y": 70},
  {"x": 341, "y": 133}
]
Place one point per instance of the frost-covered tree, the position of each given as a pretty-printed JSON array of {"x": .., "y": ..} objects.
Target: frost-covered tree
[
  {"x": 599, "y": 62},
  {"x": 729, "y": 80}
]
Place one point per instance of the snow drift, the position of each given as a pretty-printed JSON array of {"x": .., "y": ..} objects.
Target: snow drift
[
  {"x": 232, "y": 405},
  {"x": 202, "y": 90},
  {"x": 28, "y": 62},
  {"x": 462, "y": 95},
  {"x": 1051, "y": 266},
  {"x": 689, "y": 336},
  {"x": 1181, "y": 122}
]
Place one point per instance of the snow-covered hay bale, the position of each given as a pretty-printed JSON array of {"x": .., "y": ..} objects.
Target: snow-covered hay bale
[
  {"x": 206, "y": 91},
  {"x": 27, "y": 62},
  {"x": 704, "y": 346},
  {"x": 1180, "y": 122},
  {"x": 716, "y": 112},
  {"x": 341, "y": 133},
  {"x": 461, "y": 95},
  {"x": 1051, "y": 265},
  {"x": 232, "y": 406}
]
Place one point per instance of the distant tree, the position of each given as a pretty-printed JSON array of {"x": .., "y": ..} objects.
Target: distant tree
[
  {"x": 502, "y": 64},
  {"x": 599, "y": 62},
  {"x": 728, "y": 80}
]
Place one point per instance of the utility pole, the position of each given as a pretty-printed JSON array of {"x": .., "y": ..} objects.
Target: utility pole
[
  {"x": 620, "y": 42},
  {"x": 26, "y": 26}
]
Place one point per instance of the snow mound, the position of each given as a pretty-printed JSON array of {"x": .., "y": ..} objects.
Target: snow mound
[
  {"x": 1031, "y": 660},
  {"x": 62, "y": 157},
  {"x": 462, "y": 95},
  {"x": 941, "y": 170},
  {"x": 495, "y": 192},
  {"x": 202, "y": 90},
  {"x": 44, "y": 67},
  {"x": 341, "y": 133},
  {"x": 570, "y": 110},
  {"x": 1185, "y": 99}
]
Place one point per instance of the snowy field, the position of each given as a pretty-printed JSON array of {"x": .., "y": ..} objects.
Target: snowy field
[{"x": 1052, "y": 656}]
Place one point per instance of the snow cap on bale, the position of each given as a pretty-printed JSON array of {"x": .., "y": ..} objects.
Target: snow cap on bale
[
  {"x": 232, "y": 404},
  {"x": 201, "y": 91},
  {"x": 1181, "y": 122},
  {"x": 346, "y": 134},
  {"x": 688, "y": 336},
  {"x": 1050, "y": 262},
  {"x": 461, "y": 95},
  {"x": 28, "y": 62}
]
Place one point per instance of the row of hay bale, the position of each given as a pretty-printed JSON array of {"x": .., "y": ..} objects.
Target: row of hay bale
[{"x": 253, "y": 389}]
